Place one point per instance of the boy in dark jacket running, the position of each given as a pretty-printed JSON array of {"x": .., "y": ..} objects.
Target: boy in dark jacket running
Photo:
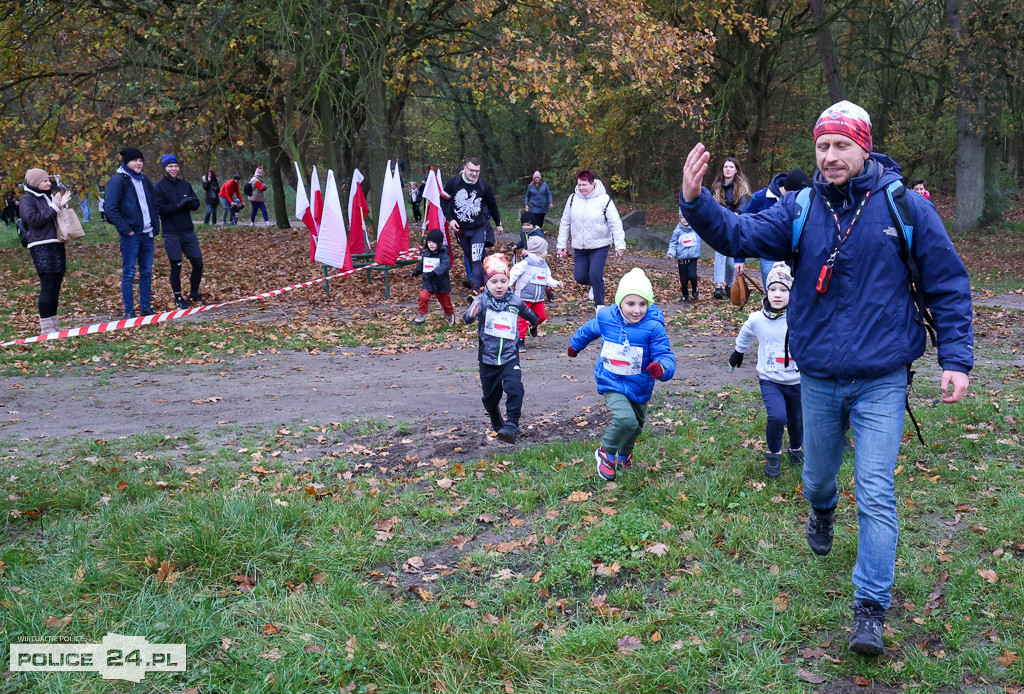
[
  {"x": 496, "y": 311},
  {"x": 434, "y": 265},
  {"x": 175, "y": 200}
]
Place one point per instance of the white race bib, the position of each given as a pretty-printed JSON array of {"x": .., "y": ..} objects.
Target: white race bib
[
  {"x": 501, "y": 324},
  {"x": 430, "y": 263},
  {"x": 624, "y": 360},
  {"x": 688, "y": 239},
  {"x": 775, "y": 358},
  {"x": 540, "y": 278}
]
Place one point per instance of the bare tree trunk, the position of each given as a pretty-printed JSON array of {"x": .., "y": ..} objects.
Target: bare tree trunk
[
  {"x": 970, "y": 117},
  {"x": 269, "y": 132},
  {"x": 827, "y": 52}
]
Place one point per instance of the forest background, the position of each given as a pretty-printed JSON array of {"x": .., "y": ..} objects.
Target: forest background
[{"x": 620, "y": 86}]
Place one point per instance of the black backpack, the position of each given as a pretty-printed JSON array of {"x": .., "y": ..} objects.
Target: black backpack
[{"x": 247, "y": 188}]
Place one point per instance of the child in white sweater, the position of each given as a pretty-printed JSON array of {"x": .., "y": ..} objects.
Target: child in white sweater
[{"x": 777, "y": 372}]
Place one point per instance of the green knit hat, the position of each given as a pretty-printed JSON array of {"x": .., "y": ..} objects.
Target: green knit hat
[{"x": 635, "y": 282}]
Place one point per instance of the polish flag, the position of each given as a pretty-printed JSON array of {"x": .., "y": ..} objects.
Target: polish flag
[
  {"x": 332, "y": 242},
  {"x": 392, "y": 226},
  {"x": 433, "y": 192},
  {"x": 316, "y": 198},
  {"x": 305, "y": 213},
  {"x": 358, "y": 210}
]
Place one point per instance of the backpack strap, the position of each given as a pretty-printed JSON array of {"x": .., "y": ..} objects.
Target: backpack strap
[
  {"x": 605, "y": 210},
  {"x": 804, "y": 198},
  {"x": 903, "y": 217}
]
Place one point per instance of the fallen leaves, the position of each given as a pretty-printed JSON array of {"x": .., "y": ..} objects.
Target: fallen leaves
[
  {"x": 808, "y": 676},
  {"x": 578, "y": 497},
  {"x": 989, "y": 575},
  {"x": 628, "y": 644}
]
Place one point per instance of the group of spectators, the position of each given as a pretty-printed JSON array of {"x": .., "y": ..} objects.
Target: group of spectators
[{"x": 138, "y": 209}]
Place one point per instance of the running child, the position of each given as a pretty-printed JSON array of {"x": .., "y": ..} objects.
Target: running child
[
  {"x": 685, "y": 247},
  {"x": 434, "y": 265},
  {"x": 496, "y": 311},
  {"x": 777, "y": 373},
  {"x": 530, "y": 279},
  {"x": 634, "y": 352}
]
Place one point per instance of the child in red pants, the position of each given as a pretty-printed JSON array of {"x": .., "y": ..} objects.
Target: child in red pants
[
  {"x": 531, "y": 278},
  {"x": 434, "y": 266}
]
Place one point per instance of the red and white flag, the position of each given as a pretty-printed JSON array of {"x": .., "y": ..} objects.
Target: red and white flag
[
  {"x": 358, "y": 210},
  {"x": 434, "y": 219},
  {"x": 332, "y": 241},
  {"x": 392, "y": 227},
  {"x": 304, "y": 212},
  {"x": 316, "y": 198}
]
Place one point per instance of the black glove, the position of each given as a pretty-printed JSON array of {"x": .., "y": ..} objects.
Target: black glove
[
  {"x": 736, "y": 358},
  {"x": 417, "y": 271}
]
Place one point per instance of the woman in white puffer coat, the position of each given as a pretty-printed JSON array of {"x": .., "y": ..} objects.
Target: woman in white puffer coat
[{"x": 594, "y": 222}]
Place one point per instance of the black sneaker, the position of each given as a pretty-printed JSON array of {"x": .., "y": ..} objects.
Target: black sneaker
[
  {"x": 147, "y": 312},
  {"x": 772, "y": 464},
  {"x": 196, "y": 298},
  {"x": 686, "y": 299},
  {"x": 820, "y": 527},
  {"x": 719, "y": 294},
  {"x": 129, "y": 314},
  {"x": 796, "y": 457},
  {"x": 508, "y": 433},
  {"x": 181, "y": 303},
  {"x": 521, "y": 345},
  {"x": 868, "y": 622}
]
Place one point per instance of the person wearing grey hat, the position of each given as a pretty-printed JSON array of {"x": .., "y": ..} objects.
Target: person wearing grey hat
[{"x": 39, "y": 207}]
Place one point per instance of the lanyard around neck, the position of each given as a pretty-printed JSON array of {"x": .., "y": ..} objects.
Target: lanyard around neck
[{"x": 825, "y": 276}]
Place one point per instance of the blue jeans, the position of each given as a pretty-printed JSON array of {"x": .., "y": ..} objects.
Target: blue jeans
[
  {"x": 86, "y": 210},
  {"x": 136, "y": 249},
  {"x": 875, "y": 409},
  {"x": 724, "y": 269},
  {"x": 588, "y": 268},
  {"x": 212, "y": 208},
  {"x": 766, "y": 266}
]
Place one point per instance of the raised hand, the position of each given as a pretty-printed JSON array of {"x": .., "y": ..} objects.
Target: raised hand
[{"x": 693, "y": 172}]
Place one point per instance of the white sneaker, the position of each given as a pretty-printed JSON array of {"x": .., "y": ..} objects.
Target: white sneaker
[
  {"x": 597, "y": 308},
  {"x": 591, "y": 294}
]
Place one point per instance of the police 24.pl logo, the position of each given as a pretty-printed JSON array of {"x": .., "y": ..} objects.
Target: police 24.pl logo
[{"x": 117, "y": 657}]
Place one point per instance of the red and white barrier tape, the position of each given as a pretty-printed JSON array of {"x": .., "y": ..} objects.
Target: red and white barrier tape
[{"x": 113, "y": 325}]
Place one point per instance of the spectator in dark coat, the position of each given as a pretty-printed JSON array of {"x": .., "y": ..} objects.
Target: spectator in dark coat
[
  {"x": 175, "y": 200},
  {"x": 39, "y": 215},
  {"x": 131, "y": 206}
]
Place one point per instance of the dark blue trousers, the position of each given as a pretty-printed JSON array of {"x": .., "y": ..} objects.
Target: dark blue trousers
[{"x": 784, "y": 410}]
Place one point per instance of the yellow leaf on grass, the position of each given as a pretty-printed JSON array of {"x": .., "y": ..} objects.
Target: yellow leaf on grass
[{"x": 578, "y": 497}]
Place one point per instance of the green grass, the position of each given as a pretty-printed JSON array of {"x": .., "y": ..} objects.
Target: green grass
[{"x": 735, "y": 602}]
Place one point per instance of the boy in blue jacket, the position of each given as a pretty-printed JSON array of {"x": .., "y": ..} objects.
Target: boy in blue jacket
[{"x": 634, "y": 351}]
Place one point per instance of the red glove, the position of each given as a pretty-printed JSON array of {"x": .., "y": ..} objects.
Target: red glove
[
  {"x": 572, "y": 352},
  {"x": 655, "y": 369}
]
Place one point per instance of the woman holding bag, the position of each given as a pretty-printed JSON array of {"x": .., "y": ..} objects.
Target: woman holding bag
[{"x": 39, "y": 210}]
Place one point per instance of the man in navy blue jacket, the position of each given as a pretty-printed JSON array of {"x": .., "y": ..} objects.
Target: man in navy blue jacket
[
  {"x": 131, "y": 206},
  {"x": 853, "y": 330}
]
